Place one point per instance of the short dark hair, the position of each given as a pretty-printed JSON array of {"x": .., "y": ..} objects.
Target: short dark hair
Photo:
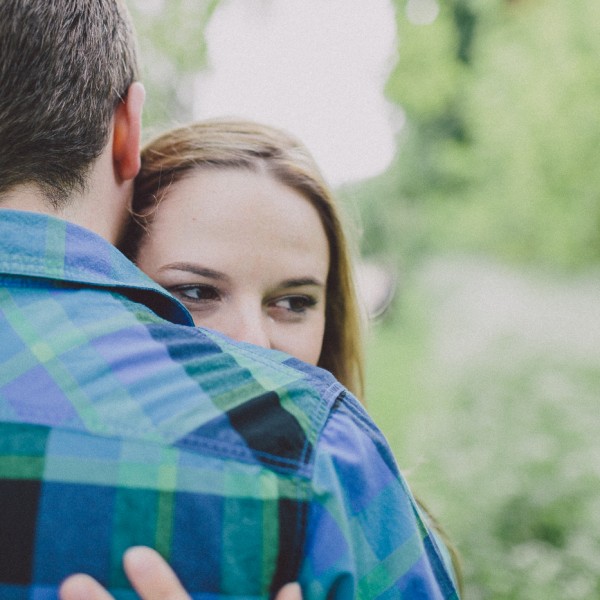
[{"x": 64, "y": 67}]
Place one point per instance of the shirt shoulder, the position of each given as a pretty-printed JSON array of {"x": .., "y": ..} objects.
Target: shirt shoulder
[{"x": 366, "y": 535}]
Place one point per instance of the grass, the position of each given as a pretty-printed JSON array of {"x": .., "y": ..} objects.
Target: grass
[{"x": 492, "y": 414}]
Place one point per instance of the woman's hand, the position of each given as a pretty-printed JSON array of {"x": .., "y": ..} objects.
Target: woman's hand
[{"x": 151, "y": 577}]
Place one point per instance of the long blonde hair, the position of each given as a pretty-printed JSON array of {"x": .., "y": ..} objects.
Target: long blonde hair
[{"x": 241, "y": 144}]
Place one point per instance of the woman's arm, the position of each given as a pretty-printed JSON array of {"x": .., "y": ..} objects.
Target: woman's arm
[{"x": 151, "y": 577}]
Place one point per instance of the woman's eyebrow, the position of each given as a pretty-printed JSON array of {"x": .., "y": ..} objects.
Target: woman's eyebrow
[
  {"x": 291, "y": 283},
  {"x": 196, "y": 270}
]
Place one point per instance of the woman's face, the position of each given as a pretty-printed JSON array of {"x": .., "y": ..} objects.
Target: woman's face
[{"x": 247, "y": 255}]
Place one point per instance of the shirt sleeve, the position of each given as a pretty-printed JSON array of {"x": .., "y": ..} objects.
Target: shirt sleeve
[{"x": 365, "y": 534}]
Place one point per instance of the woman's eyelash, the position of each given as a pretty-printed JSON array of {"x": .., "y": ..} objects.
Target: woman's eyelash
[
  {"x": 196, "y": 292},
  {"x": 296, "y": 303},
  {"x": 199, "y": 293}
]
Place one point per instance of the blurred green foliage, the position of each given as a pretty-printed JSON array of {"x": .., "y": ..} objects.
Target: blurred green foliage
[
  {"x": 498, "y": 152},
  {"x": 488, "y": 393},
  {"x": 497, "y": 158},
  {"x": 173, "y": 51}
]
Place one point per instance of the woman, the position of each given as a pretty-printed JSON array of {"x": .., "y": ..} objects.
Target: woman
[
  {"x": 233, "y": 216},
  {"x": 235, "y": 219}
]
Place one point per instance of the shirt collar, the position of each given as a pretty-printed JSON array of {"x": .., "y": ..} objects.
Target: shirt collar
[{"x": 41, "y": 246}]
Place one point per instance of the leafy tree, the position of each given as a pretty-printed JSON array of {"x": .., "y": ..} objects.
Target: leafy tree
[
  {"x": 498, "y": 153},
  {"x": 173, "y": 50}
]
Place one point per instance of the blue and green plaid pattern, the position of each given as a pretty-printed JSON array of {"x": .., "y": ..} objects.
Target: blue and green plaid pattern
[{"x": 122, "y": 425}]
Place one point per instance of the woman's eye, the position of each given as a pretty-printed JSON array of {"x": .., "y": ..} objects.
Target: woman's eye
[
  {"x": 295, "y": 304},
  {"x": 196, "y": 293}
]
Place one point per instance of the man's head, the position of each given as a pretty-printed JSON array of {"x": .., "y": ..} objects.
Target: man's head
[{"x": 65, "y": 66}]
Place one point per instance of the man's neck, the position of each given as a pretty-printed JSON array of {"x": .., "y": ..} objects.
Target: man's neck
[
  {"x": 98, "y": 209},
  {"x": 26, "y": 197}
]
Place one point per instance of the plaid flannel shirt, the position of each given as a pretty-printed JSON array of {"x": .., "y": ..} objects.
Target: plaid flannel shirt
[{"x": 122, "y": 425}]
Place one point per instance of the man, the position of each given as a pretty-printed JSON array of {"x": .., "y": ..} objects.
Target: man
[{"x": 121, "y": 425}]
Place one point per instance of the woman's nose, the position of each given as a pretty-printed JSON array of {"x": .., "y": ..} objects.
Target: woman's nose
[{"x": 252, "y": 327}]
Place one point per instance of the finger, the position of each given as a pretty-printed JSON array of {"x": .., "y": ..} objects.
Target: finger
[
  {"x": 291, "y": 591},
  {"x": 82, "y": 587},
  {"x": 151, "y": 576}
]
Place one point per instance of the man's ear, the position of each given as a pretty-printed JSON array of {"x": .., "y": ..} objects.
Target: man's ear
[{"x": 127, "y": 133}]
